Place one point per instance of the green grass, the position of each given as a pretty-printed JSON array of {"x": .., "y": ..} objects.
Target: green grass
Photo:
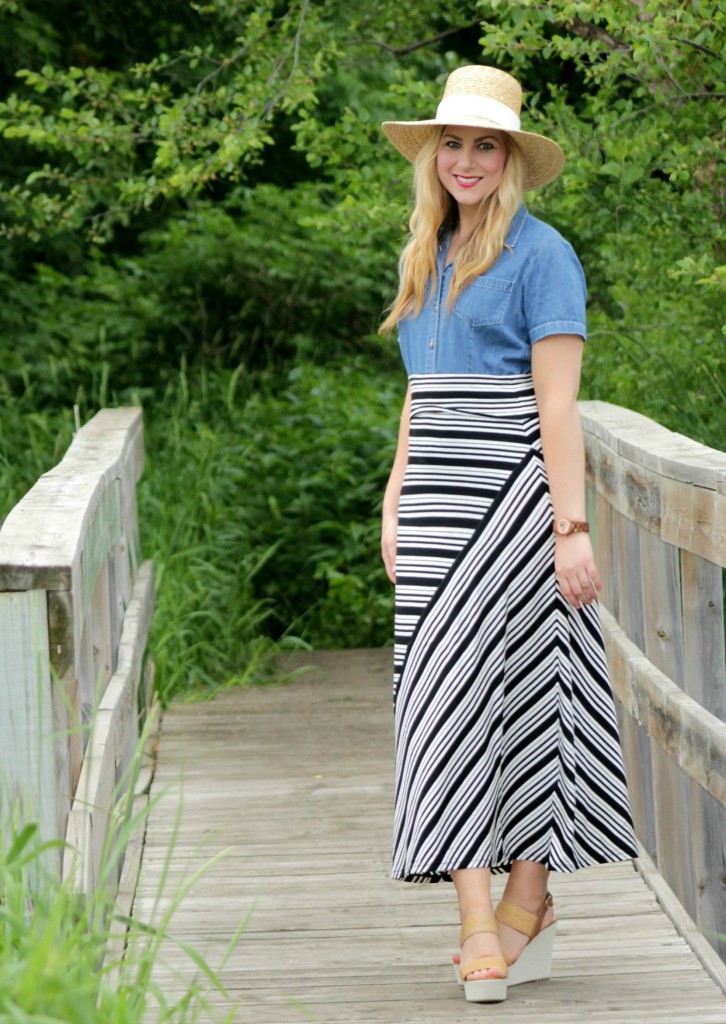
[
  {"x": 261, "y": 505},
  {"x": 56, "y": 963}
]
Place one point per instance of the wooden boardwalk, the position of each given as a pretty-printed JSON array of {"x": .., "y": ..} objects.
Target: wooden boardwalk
[{"x": 295, "y": 782}]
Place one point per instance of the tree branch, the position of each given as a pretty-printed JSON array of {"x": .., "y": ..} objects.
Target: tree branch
[
  {"x": 696, "y": 46},
  {"x": 401, "y": 51},
  {"x": 587, "y": 31}
]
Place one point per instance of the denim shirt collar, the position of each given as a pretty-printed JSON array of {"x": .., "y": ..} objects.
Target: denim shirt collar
[{"x": 516, "y": 226}]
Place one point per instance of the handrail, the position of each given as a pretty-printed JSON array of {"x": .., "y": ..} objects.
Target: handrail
[
  {"x": 73, "y": 598},
  {"x": 657, "y": 501}
]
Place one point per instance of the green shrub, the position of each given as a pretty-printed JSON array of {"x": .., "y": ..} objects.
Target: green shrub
[{"x": 261, "y": 506}]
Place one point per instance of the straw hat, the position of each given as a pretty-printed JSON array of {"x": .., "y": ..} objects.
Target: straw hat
[{"x": 476, "y": 96}]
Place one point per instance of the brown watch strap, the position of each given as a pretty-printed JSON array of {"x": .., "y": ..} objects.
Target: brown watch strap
[{"x": 573, "y": 526}]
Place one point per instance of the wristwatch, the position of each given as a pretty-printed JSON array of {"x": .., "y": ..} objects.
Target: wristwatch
[{"x": 564, "y": 527}]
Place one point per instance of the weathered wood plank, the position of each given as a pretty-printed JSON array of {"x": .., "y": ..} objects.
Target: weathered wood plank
[
  {"x": 43, "y": 536},
  {"x": 702, "y": 594},
  {"x": 32, "y": 767},
  {"x": 297, "y": 783},
  {"x": 663, "y": 634},
  {"x": 639, "y": 439},
  {"x": 111, "y": 747},
  {"x": 668, "y": 484},
  {"x": 693, "y": 738},
  {"x": 608, "y": 564}
]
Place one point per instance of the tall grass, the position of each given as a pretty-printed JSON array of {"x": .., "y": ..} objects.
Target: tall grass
[
  {"x": 261, "y": 497},
  {"x": 261, "y": 504},
  {"x": 57, "y": 963}
]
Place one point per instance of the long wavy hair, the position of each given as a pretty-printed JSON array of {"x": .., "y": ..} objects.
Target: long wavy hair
[{"x": 435, "y": 213}]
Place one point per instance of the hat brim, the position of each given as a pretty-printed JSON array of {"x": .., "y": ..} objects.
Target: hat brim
[{"x": 543, "y": 158}]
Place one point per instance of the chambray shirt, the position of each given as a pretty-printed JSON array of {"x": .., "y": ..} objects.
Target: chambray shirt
[{"x": 534, "y": 289}]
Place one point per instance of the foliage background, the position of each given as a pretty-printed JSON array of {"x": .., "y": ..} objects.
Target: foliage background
[{"x": 197, "y": 214}]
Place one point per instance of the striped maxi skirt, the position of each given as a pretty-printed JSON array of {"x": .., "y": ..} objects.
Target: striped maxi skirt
[{"x": 506, "y": 738}]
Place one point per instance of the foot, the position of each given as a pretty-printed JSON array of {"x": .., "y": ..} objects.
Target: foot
[
  {"x": 482, "y": 944},
  {"x": 512, "y": 941}
]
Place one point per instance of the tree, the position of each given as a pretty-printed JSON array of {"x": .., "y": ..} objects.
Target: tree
[{"x": 210, "y": 181}]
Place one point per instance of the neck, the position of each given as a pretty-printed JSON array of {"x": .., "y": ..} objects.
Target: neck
[{"x": 469, "y": 217}]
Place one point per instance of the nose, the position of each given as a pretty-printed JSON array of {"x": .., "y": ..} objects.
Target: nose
[{"x": 466, "y": 157}]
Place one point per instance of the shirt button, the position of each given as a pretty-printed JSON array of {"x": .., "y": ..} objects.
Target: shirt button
[{"x": 431, "y": 343}]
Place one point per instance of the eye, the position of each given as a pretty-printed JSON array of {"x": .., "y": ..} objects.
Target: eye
[
  {"x": 486, "y": 146},
  {"x": 452, "y": 144}
]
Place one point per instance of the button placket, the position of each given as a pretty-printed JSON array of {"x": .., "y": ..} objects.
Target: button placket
[{"x": 433, "y": 333}]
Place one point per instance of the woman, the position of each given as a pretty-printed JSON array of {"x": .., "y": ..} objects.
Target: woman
[{"x": 507, "y": 753}]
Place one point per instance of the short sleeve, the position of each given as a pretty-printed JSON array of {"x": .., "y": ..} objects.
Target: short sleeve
[{"x": 554, "y": 292}]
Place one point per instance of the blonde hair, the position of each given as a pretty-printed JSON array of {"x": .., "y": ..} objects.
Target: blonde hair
[{"x": 435, "y": 210}]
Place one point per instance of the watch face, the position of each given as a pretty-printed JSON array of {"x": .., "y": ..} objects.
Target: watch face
[{"x": 563, "y": 526}]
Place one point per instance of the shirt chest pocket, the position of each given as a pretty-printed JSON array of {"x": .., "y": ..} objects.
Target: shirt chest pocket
[{"x": 484, "y": 301}]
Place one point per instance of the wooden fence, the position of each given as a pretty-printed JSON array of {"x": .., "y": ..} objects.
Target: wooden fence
[
  {"x": 658, "y": 502},
  {"x": 75, "y": 608}
]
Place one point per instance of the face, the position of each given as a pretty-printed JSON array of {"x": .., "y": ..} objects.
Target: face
[{"x": 470, "y": 163}]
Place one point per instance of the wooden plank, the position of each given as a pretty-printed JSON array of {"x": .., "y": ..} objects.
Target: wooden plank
[
  {"x": 694, "y": 935},
  {"x": 662, "y": 613},
  {"x": 118, "y": 928},
  {"x": 708, "y": 829},
  {"x": 630, "y": 578},
  {"x": 635, "y": 742},
  {"x": 121, "y": 698},
  {"x": 695, "y": 739},
  {"x": 702, "y": 593},
  {"x": 705, "y": 681},
  {"x": 656, "y": 448},
  {"x": 29, "y": 769},
  {"x": 682, "y": 502},
  {"x": 42, "y": 538},
  {"x": 663, "y": 631},
  {"x": 606, "y": 553},
  {"x": 111, "y": 747},
  {"x": 295, "y": 783},
  {"x": 89, "y": 818},
  {"x": 694, "y": 518}
]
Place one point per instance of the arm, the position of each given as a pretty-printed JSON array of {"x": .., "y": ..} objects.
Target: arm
[
  {"x": 556, "y": 362},
  {"x": 393, "y": 492}
]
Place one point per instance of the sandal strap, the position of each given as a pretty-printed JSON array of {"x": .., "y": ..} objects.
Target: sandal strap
[
  {"x": 484, "y": 963},
  {"x": 477, "y": 923},
  {"x": 521, "y": 920}
]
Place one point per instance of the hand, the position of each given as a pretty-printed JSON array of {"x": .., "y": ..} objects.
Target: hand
[
  {"x": 389, "y": 543},
  {"x": 575, "y": 569}
]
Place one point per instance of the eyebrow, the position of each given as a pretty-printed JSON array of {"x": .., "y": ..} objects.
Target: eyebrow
[{"x": 479, "y": 138}]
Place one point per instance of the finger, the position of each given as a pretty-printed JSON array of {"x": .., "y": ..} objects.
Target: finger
[
  {"x": 594, "y": 579},
  {"x": 389, "y": 560},
  {"x": 567, "y": 591}
]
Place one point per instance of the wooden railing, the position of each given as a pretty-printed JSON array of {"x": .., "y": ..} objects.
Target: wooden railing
[
  {"x": 658, "y": 503},
  {"x": 75, "y": 608}
]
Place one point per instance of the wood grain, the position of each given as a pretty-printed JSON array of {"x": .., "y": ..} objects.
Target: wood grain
[
  {"x": 294, "y": 782},
  {"x": 668, "y": 484},
  {"x": 29, "y": 748},
  {"x": 111, "y": 747}
]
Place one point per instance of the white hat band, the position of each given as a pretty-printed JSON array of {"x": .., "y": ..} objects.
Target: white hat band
[{"x": 453, "y": 108}]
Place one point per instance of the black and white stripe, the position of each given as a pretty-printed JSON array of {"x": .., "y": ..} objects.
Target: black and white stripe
[{"x": 506, "y": 739}]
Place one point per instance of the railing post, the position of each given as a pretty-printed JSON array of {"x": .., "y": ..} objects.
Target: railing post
[
  {"x": 29, "y": 779},
  {"x": 661, "y": 531},
  {"x": 75, "y": 609}
]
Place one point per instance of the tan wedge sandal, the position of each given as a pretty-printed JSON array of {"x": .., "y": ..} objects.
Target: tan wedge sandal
[
  {"x": 482, "y": 990},
  {"x": 534, "y": 963}
]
